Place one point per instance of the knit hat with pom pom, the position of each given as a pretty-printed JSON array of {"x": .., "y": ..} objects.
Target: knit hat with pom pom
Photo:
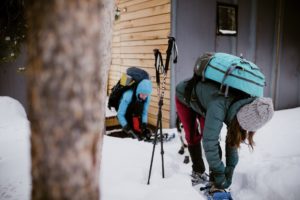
[{"x": 255, "y": 115}]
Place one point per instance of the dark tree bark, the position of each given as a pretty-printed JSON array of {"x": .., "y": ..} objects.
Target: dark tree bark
[{"x": 69, "y": 45}]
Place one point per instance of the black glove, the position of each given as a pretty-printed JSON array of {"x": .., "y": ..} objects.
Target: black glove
[
  {"x": 144, "y": 126},
  {"x": 127, "y": 129},
  {"x": 146, "y": 132}
]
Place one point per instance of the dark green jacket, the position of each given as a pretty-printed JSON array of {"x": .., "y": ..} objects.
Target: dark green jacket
[{"x": 217, "y": 109}]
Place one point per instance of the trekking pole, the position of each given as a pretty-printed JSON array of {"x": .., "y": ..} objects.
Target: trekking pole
[
  {"x": 161, "y": 136},
  {"x": 160, "y": 69},
  {"x": 171, "y": 46},
  {"x": 158, "y": 124}
]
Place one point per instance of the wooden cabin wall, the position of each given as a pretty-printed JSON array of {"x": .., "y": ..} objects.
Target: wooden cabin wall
[{"x": 143, "y": 25}]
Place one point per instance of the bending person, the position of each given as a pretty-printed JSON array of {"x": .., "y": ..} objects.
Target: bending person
[
  {"x": 133, "y": 110},
  {"x": 242, "y": 114}
]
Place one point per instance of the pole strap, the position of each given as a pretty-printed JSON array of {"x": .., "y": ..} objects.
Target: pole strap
[
  {"x": 171, "y": 46},
  {"x": 159, "y": 65}
]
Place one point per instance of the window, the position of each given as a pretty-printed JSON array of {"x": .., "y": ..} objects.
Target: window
[{"x": 226, "y": 19}]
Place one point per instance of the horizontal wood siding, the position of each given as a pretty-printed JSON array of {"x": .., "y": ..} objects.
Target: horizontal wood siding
[{"x": 143, "y": 25}]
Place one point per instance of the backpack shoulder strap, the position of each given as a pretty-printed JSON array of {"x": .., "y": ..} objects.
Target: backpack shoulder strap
[
  {"x": 190, "y": 93},
  {"x": 189, "y": 88},
  {"x": 194, "y": 97}
]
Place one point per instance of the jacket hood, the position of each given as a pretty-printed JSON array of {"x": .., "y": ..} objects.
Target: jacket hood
[{"x": 144, "y": 87}]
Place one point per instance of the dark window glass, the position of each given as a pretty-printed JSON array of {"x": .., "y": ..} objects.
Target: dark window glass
[{"x": 226, "y": 19}]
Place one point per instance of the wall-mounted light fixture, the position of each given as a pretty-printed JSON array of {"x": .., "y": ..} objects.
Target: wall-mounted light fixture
[{"x": 117, "y": 13}]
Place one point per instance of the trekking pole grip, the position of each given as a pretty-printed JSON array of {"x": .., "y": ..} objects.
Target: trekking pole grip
[{"x": 169, "y": 52}]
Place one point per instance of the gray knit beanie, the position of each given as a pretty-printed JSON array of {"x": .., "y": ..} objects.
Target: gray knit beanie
[{"x": 255, "y": 115}]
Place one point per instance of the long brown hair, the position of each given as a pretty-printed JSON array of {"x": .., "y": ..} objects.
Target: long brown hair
[{"x": 236, "y": 135}]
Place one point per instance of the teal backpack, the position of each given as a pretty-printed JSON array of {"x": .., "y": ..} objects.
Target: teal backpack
[{"x": 231, "y": 71}]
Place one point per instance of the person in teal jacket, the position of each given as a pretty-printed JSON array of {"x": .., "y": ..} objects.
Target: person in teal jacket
[
  {"x": 242, "y": 114},
  {"x": 133, "y": 110}
]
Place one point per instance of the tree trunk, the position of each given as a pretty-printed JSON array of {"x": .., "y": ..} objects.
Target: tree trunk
[{"x": 69, "y": 44}]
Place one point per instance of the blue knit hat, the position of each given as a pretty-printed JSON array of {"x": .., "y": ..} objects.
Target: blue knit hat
[{"x": 144, "y": 87}]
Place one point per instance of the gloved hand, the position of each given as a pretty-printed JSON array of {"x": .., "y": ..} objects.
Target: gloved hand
[
  {"x": 127, "y": 129},
  {"x": 214, "y": 189},
  {"x": 146, "y": 132},
  {"x": 220, "y": 181}
]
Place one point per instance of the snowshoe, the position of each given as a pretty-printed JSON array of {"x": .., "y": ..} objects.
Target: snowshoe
[
  {"x": 169, "y": 137},
  {"x": 215, "y": 194},
  {"x": 219, "y": 196},
  {"x": 166, "y": 137},
  {"x": 198, "y": 178}
]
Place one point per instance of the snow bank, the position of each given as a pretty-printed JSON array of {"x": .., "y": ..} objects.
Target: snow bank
[
  {"x": 14, "y": 150},
  {"x": 12, "y": 112}
]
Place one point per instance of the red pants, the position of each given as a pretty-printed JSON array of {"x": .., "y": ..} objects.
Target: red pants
[{"x": 188, "y": 118}]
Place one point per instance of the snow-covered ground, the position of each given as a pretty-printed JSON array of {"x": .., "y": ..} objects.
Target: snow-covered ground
[{"x": 271, "y": 171}]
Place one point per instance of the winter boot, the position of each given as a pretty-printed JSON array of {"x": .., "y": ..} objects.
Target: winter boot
[
  {"x": 198, "y": 178},
  {"x": 197, "y": 164}
]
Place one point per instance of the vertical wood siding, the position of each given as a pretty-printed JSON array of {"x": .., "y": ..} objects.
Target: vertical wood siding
[{"x": 142, "y": 26}]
